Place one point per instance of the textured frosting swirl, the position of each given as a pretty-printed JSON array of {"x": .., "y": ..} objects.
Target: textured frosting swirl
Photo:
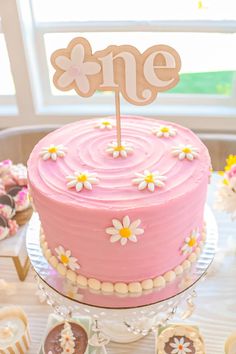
[{"x": 86, "y": 151}]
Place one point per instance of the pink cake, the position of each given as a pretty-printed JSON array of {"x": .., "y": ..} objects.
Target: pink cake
[{"x": 120, "y": 223}]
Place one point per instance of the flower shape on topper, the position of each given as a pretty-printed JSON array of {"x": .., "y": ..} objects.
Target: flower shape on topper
[
  {"x": 187, "y": 151},
  {"x": 125, "y": 230},
  {"x": 149, "y": 180},
  {"x": 82, "y": 179},
  {"x": 74, "y": 66},
  {"x": 165, "y": 131}
]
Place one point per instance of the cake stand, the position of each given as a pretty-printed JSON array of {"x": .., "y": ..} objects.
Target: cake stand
[{"x": 135, "y": 315}]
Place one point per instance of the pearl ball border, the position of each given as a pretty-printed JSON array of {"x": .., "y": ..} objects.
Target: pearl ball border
[{"x": 159, "y": 282}]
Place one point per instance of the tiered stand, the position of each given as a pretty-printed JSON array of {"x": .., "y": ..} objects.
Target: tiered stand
[{"x": 115, "y": 317}]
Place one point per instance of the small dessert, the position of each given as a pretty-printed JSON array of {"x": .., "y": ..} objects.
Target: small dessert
[
  {"x": 21, "y": 197},
  {"x": 23, "y": 216},
  {"x": 7, "y": 206},
  {"x": 14, "y": 331},
  {"x": 66, "y": 337},
  {"x": 20, "y": 194},
  {"x": 230, "y": 344},
  {"x": 180, "y": 339},
  {"x": 14, "y": 192}
]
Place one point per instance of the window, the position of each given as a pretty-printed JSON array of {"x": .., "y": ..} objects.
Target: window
[
  {"x": 203, "y": 32},
  {"x": 7, "y": 88}
]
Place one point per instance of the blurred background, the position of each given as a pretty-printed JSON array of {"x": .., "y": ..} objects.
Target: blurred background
[{"x": 202, "y": 31}]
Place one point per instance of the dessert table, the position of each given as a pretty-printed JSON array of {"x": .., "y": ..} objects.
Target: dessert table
[
  {"x": 215, "y": 313},
  {"x": 14, "y": 248}
]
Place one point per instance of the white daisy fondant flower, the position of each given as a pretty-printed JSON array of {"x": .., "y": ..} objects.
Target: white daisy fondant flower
[
  {"x": 124, "y": 231},
  {"x": 104, "y": 124},
  {"x": 165, "y": 131},
  {"x": 76, "y": 69},
  {"x": 180, "y": 346},
  {"x": 80, "y": 180},
  {"x": 66, "y": 259},
  {"x": 185, "y": 152},
  {"x": 53, "y": 152},
  {"x": 149, "y": 180},
  {"x": 116, "y": 151},
  {"x": 191, "y": 241}
]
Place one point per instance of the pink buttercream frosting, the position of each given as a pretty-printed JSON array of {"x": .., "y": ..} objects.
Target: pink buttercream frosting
[{"x": 78, "y": 220}]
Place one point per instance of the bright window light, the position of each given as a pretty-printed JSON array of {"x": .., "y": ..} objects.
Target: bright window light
[
  {"x": 107, "y": 10},
  {"x": 6, "y": 82}
]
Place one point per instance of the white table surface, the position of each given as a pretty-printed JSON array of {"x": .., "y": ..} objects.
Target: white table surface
[
  {"x": 216, "y": 303},
  {"x": 15, "y": 245}
]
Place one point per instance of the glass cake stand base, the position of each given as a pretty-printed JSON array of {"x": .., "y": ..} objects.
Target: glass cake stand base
[{"x": 119, "y": 318}]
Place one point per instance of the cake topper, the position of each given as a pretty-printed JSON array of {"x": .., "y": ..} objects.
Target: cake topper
[{"x": 139, "y": 77}]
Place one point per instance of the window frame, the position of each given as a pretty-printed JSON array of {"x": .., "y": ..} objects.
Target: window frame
[{"x": 37, "y": 105}]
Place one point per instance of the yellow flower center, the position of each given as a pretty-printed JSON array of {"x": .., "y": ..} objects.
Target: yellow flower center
[
  {"x": 52, "y": 150},
  {"x": 64, "y": 259},
  {"x": 125, "y": 232},
  {"x": 180, "y": 347},
  {"x": 106, "y": 123},
  {"x": 119, "y": 148},
  {"x": 186, "y": 150},
  {"x": 165, "y": 130},
  {"x": 149, "y": 179},
  {"x": 82, "y": 178},
  {"x": 225, "y": 181},
  {"x": 192, "y": 242}
]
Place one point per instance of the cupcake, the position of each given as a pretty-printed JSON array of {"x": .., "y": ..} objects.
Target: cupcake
[
  {"x": 14, "y": 331},
  {"x": 20, "y": 195},
  {"x": 67, "y": 337},
  {"x": 180, "y": 339}
]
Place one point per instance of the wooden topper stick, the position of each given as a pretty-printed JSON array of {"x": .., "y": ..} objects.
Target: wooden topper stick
[{"x": 118, "y": 122}]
